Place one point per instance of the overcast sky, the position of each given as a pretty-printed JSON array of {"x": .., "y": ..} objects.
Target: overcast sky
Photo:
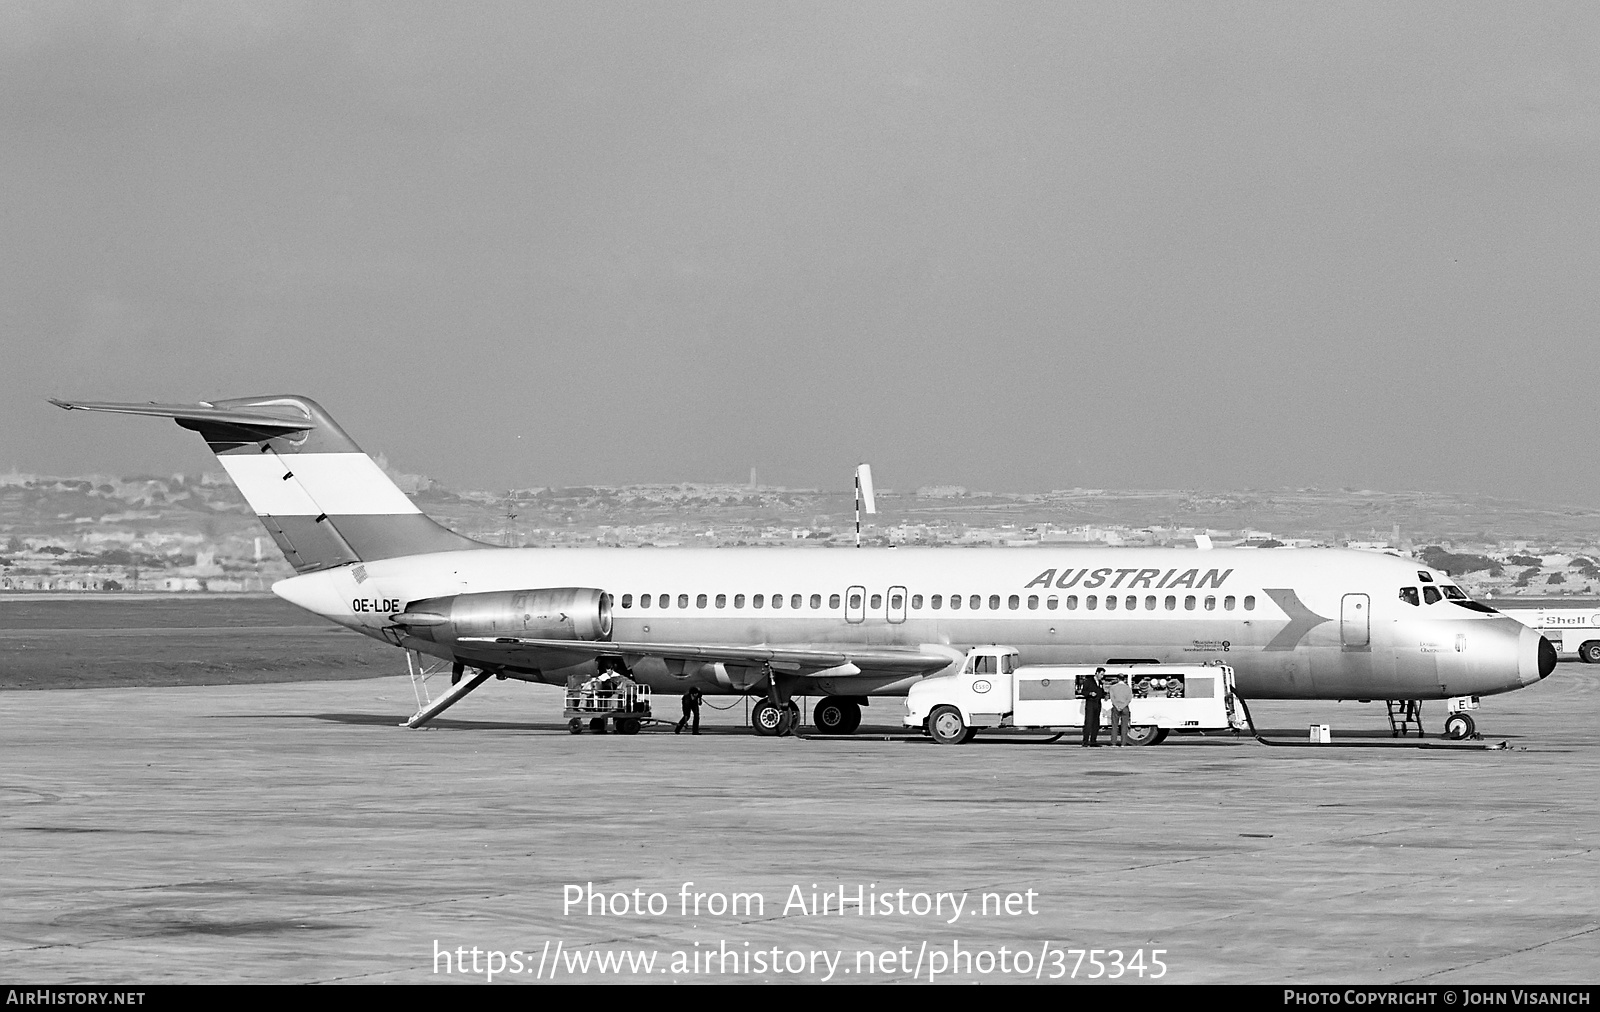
[{"x": 1009, "y": 246}]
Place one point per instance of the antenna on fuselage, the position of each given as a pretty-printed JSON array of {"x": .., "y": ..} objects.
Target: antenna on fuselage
[{"x": 863, "y": 492}]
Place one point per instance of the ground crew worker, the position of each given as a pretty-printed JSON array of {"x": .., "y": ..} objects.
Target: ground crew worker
[
  {"x": 691, "y": 708},
  {"x": 1093, "y": 692},
  {"x": 1121, "y": 699}
]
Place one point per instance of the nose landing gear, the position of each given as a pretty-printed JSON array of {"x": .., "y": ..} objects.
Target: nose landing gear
[{"x": 1459, "y": 727}]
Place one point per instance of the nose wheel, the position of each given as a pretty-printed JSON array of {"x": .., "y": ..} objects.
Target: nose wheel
[{"x": 1459, "y": 727}]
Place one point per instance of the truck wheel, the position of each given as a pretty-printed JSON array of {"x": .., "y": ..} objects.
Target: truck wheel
[
  {"x": 1589, "y": 653},
  {"x": 1144, "y": 734},
  {"x": 1459, "y": 726},
  {"x": 946, "y": 727}
]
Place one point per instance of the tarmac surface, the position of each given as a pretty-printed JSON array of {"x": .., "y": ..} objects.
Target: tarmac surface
[{"x": 292, "y": 832}]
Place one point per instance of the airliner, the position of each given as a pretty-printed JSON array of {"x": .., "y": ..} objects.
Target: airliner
[{"x": 843, "y": 625}]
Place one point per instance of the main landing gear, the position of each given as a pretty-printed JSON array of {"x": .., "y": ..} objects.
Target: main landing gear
[
  {"x": 772, "y": 720},
  {"x": 837, "y": 715}
]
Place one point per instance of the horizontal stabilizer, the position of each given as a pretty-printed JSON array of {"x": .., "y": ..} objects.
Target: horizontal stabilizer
[{"x": 252, "y": 424}]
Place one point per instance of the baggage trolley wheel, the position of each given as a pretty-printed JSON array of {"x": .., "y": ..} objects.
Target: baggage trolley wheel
[
  {"x": 575, "y": 726},
  {"x": 628, "y": 725}
]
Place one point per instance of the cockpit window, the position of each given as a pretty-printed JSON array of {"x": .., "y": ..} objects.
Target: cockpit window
[
  {"x": 1453, "y": 593},
  {"x": 1409, "y": 596},
  {"x": 1423, "y": 577},
  {"x": 1431, "y": 595}
]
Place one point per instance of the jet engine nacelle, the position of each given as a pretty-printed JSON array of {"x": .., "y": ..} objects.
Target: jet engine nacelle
[{"x": 557, "y": 613}]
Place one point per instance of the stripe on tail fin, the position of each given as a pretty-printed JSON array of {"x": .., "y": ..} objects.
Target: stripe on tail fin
[{"x": 324, "y": 501}]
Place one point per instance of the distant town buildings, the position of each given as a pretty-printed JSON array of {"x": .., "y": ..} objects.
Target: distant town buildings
[{"x": 195, "y": 533}]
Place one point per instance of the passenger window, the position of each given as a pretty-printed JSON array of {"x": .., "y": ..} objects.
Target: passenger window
[
  {"x": 1132, "y": 602},
  {"x": 1409, "y": 596},
  {"x": 955, "y": 602},
  {"x": 1227, "y": 603},
  {"x": 1033, "y": 602},
  {"x": 1072, "y": 602},
  {"x": 895, "y": 601},
  {"x": 700, "y": 601},
  {"x": 722, "y": 600},
  {"x": 975, "y": 602},
  {"x": 627, "y": 600},
  {"x": 738, "y": 600},
  {"x": 777, "y": 600},
  {"x": 1249, "y": 602},
  {"x": 1188, "y": 602},
  {"x": 936, "y": 601},
  {"x": 1013, "y": 602},
  {"x": 916, "y": 602},
  {"x": 758, "y": 601},
  {"x": 644, "y": 600},
  {"x": 1050, "y": 603},
  {"x": 816, "y": 601},
  {"x": 683, "y": 600},
  {"x": 994, "y": 602},
  {"x": 1430, "y": 595},
  {"x": 794, "y": 600},
  {"x": 855, "y": 600},
  {"x": 1090, "y": 602},
  {"x": 1172, "y": 603},
  {"x": 877, "y": 601},
  {"x": 833, "y": 600},
  {"x": 1211, "y": 603},
  {"x": 1111, "y": 602}
]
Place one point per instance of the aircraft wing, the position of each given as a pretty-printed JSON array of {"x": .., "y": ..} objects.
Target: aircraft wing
[{"x": 804, "y": 658}]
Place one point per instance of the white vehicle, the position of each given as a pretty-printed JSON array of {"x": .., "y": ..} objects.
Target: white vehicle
[
  {"x": 994, "y": 689},
  {"x": 1570, "y": 630}
]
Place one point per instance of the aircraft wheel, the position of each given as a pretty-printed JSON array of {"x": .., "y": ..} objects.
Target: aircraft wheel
[
  {"x": 575, "y": 726},
  {"x": 834, "y": 715},
  {"x": 770, "y": 720},
  {"x": 946, "y": 727},
  {"x": 598, "y": 725},
  {"x": 1589, "y": 653},
  {"x": 1144, "y": 734},
  {"x": 1459, "y": 726},
  {"x": 628, "y": 725}
]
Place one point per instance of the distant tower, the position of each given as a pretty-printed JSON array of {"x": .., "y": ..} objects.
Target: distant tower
[{"x": 753, "y": 482}]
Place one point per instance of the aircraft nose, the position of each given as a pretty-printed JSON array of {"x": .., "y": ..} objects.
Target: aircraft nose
[{"x": 1536, "y": 658}]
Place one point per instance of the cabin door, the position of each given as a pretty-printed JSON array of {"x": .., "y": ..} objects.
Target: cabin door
[{"x": 1355, "y": 621}]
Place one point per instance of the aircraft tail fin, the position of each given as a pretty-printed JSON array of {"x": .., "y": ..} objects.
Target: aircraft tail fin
[{"x": 324, "y": 501}]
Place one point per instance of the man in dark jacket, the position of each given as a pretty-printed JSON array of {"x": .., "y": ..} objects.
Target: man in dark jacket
[
  {"x": 691, "y": 708},
  {"x": 1093, "y": 693}
]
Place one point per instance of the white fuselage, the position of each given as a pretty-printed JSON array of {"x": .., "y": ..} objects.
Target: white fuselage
[{"x": 1293, "y": 623}]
